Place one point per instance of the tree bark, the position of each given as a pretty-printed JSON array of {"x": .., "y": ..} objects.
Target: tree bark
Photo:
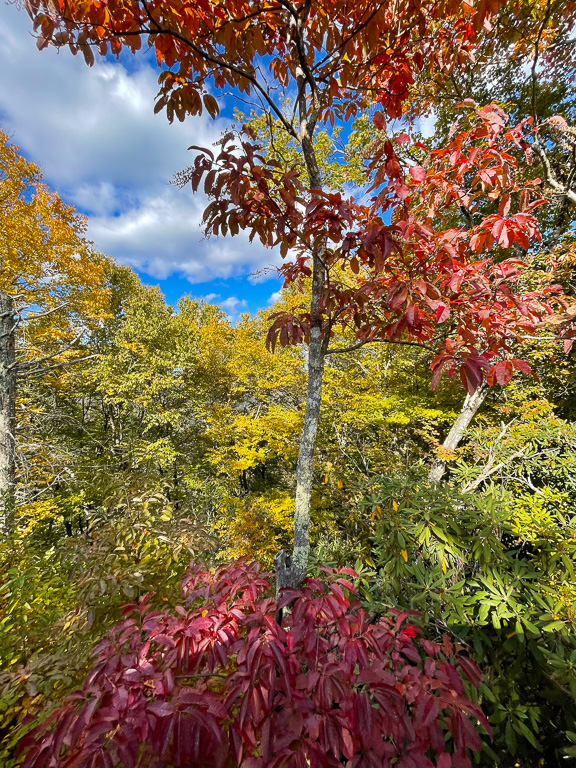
[
  {"x": 291, "y": 570},
  {"x": 470, "y": 408},
  {"x": 7, "y": 410}
]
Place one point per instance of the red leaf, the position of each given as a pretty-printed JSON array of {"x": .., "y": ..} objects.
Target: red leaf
[
  {"x": 502, "y": 233},
  {"x": 521, "y": 365},
  {"x": 380, "y": 121},
  {"x": 504, "y": 207},
  {"x": 471, "y": 670},
  {"x": 442, "y": 313},
  {"x": 418, "y": 173},
  {"x": 347, "y": 585},
  {"x": 503, "y": 371},
  {"x": 438, "y": 366}
]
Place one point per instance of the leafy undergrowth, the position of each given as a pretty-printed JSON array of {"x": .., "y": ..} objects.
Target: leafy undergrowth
[{"x": 220, "y": 683}]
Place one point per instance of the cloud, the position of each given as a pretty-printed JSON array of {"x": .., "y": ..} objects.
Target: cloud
[
  {"x": 162, "y": 236},
  {"x": 427, "y": 125},
  {"x": 94, "y": 134},
  {"x": 233, "y": 306},
  {"x": 274, "y": 297}
]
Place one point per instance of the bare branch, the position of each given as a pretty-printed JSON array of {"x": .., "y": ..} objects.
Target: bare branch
[
  {"x": 25, "y": 366},
  {"x": 34, "y": 316},
  {"x": 42, "y": 371},
  {"x": 560, "y": 189}
]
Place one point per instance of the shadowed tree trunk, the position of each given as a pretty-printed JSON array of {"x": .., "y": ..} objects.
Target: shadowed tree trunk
[
  {"x": 470, "y": 408},
  {"x": 7, "y": 410}
]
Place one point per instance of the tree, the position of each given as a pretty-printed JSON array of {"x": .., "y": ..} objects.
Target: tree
[
  {"x": 135, "y": 421},
  {"x": 524, "y": 59},
  {"x": 51, "y": 284},
  {"x": 340, "y": 59},
  {"x": 469, "y": 409}
]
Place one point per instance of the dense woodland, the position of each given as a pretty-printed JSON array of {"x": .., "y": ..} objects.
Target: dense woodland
[{"x": 429, "y": 323}]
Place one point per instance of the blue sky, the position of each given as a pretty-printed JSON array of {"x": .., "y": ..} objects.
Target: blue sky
[{"x": 94, "y": 134}]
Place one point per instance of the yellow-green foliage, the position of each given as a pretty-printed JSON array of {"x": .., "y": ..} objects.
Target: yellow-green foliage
[
  {"x": 342, "y": 162},
  {"x": 56, "y": 603},
  {"x": 256, "y": 526}
]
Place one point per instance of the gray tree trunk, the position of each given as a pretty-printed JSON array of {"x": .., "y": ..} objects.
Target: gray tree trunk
[
  {"x": 291, "y": 570},
  {"x": 7, "y": 410},
  {"x": 470, "y": 408}
]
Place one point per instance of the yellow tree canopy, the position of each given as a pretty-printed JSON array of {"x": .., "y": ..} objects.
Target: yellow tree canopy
[{"x": 45, "y": 260}]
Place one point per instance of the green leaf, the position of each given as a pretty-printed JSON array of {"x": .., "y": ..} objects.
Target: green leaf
[
  {"x": 510, "y": 737},
  {"x": 554, "y": 625},
  {"x": 523, "y": 729}
]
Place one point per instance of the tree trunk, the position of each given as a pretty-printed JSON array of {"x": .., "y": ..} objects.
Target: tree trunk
[
  {"x": 291, "y": 570},
  {"x": 470, "y": 408},
  {"x": 7, "y": 410}
]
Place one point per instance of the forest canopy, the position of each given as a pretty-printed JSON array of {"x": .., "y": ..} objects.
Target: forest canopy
[{"x": 341, "y": 530}]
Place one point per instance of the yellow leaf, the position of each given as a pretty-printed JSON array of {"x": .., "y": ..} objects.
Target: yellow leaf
[
  {"x": 444, "y": 566},
  {"x": 326, "y": 478},
  {"x": 395, "y": 505},
  {"x": 340, "y": 484},
  {"x": 404, "y": 555}
]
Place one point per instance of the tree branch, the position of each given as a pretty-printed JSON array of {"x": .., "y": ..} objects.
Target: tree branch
[
  {"x": 360, "y": 344},
  {"x": 26, "y": 318},
  {"x": 24, "y": 366},
  {"x": 569, "y": 194},
  {"x": 42, "y": 371},
  {"x": 160, "y": 30}
]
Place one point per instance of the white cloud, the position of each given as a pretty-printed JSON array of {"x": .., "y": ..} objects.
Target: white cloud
[
  {"x": 274, "y": 297},
  {"x": 427, "y": 125},
  {"x": 233, "y": 306},
  {"x": 94, "y": 133}
]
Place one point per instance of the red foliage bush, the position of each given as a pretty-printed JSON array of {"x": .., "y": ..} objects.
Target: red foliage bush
[{"x": 220, "y": 683}]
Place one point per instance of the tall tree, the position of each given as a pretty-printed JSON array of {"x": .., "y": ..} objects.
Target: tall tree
[
  {"x": 7, "y": 406},
  {"x": 339, "y": 59},
  {"x": 51, "y": 286}
]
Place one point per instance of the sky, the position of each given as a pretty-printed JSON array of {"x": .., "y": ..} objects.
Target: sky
[{"x": 94, "y": 134}]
